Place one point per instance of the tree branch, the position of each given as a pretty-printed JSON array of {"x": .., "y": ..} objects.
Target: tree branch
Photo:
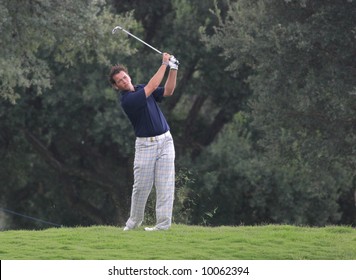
[
  {"x": 69, "y": 189},
  {"x": 57, "y": 165},
  {"x": 193, "y": 114},
  {"x": 187, "y": 75}
]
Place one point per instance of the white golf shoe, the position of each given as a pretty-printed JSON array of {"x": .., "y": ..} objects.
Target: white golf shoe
[{"x": 151, "y": 229}]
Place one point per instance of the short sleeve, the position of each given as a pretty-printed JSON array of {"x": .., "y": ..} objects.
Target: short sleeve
[
  {"x": 134, "y": 100},
  {"x": 158, "y": 94}
]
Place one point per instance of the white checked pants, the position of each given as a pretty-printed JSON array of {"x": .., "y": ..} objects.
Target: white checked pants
[{"x": 153, "y": 164}]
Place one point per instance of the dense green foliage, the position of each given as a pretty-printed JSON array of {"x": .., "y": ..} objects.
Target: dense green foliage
[
  {"x": 263, "y": 116},
  {"x": 181, "y": 242},
  {"x": 301, "y": 56}
]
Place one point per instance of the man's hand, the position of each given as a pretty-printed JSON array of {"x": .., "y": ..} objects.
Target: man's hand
[
  {"x": 165, "y": 58},
  {"x": 173, "y": 63}
]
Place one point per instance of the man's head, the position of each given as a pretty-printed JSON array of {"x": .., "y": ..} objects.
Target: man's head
[{"x": 119, "y": 78}]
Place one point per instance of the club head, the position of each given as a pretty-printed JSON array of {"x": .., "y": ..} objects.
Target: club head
[{"x": 115, "y": 29}]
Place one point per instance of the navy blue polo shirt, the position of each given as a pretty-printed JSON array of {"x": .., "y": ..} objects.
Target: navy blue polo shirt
[{"x": 143, "y": 112}]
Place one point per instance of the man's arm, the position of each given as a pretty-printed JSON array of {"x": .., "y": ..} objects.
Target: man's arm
[
  {"x": 157, "y": 78},
  {"x": 170, "y": 83}
]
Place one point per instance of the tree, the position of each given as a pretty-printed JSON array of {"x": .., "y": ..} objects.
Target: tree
[
  {"x": 257, "y": 143},
  {"x": 35, "y": 31},
  {"x": 303, "y": 104},
  {"x": 54, "y": 111},
  {"x": 73, "y": 134},
  {"x": 254, "y": 189}
]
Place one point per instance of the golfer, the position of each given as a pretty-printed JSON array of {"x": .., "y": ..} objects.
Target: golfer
[{"x": 154, "y": 148}]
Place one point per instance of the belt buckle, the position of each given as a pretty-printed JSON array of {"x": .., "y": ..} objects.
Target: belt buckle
[{"x": 151, "y": 139}]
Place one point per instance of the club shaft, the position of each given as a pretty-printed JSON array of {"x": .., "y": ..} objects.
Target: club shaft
[{"x": 148, "y": 45}]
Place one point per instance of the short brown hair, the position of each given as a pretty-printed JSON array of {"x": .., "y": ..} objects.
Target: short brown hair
[{"x": 115, "y": 70}]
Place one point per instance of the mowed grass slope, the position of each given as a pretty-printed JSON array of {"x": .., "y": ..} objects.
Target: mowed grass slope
[{"x": 181, "y": 242}]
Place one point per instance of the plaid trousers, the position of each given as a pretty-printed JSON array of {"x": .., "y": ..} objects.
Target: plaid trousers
[{"x": 153, "y": 164}]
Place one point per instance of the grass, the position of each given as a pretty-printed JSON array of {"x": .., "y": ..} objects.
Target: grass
[{"x": 181, "y": 242}]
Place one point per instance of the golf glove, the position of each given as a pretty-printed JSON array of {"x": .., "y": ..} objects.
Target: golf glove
[{"x": 173, "y": 63}]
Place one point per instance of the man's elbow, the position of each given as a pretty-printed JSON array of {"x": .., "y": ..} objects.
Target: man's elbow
[{"x": 168, "y": 92}]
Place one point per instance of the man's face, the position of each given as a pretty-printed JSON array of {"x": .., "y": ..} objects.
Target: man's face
[{"x": 122, "y": 81}]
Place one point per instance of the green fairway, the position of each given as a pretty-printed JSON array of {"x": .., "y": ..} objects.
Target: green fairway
[{"x": 181, "y": 242}]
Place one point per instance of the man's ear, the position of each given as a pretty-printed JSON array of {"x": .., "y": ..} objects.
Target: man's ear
[{"x": 114, "y": 86}]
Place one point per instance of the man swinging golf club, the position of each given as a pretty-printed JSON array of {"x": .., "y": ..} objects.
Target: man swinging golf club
[{"x": 154, "y": 148}]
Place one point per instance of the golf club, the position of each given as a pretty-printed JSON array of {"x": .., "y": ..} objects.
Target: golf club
[{"x": 148, "y": 45}]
